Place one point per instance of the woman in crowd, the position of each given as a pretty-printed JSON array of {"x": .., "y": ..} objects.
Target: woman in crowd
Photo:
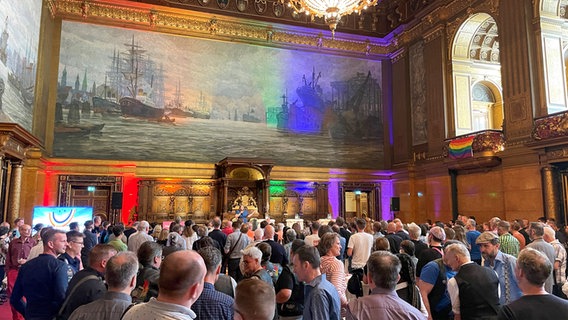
[
  {"x": 189, "y": 235},
  {"x": 460, "y": 236},
  {"x": 299, "y": 233},
  {"x": 406, "y": 287},
  {"x": 156, "y": 232},
  {"x": 329, "y": 248},
  {"x": 163, "y": 237},
  {"x": 382, "y": 244}
]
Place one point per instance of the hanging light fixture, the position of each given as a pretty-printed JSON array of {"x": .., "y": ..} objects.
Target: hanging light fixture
[{"x": 330, "y": 10}]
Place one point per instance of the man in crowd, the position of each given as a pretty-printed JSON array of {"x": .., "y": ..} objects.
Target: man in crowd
[
  {"x": 503, "y": 264},
  {"x": 399, "y": 228},
  {"x": 471, "y": 235},
  {"x": 18, "y": 252},
  {"x": 97, "y": 227},
  {"x": 359, "y": 248},
  {"x": 433, "y": 289},
  {"x": 515, "y": 227},
  {"x": 213, "y": 304},
  {"x": 216, "y": 234},
  {"x": 278, "y": 255},
  {"x": 181, "y": 283},
  {"x": 313, "y": 238},
  {"x": 414, "y": 233},
  {"x": 474, "y": 291},
  {"x": 436, "y": 238},
  {"x": 74, "y": 226},
  {"x": 321, "y": 297},
  {"x": 532, "y": 270},
  {"x": 132, "y": 229},
  {"x": 72, "y": 255},
  {"x": 559, "y": 265},
  {"x": 393, "y": 238},
  {"x": 120, "y": 276},
  {"x": 80, "y": 291},
  {"x": 251, "y": 265},
  {"x": 137, "y": 239},
  {"x": 344, "y": 232},
  {"x": 509, "y": 244},
  {"x": 254, "y": 300},
  {"x": 118, "y": 233},
  {"x": 89, "y": 242},
  {"x": 383, "y": 274},
  {"x": 150, "y": 259},
  {"x": 536, "y": 234},
  {"x": 236, "y": 242},
  {"x": 43, "y": 280}
]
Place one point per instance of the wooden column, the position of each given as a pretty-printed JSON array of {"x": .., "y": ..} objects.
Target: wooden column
[
  {"x": 15, "y": 191},
  {"x": 550, "y": 193}
]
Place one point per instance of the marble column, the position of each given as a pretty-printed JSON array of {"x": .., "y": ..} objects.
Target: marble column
[{"x": 15, "y": 191}]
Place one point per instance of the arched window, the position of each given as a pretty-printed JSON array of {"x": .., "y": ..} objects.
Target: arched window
[
  {"x": 476, "y": 76},
  {"x": 553, "y": 34}
]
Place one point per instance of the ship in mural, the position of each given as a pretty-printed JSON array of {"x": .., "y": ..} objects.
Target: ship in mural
[
  {"x": 251, "y": 116},
  {"x": 351, "y": 113},
  {"x": 4, "y": 43},
  {"x": 22, "y": 77},
  {"x": 176, "y": 107},
  {"x": 201, "y": 110},
  {"x": 72, "y": 127},
  {"x": 144, "y": 94},
  {"x": 106, "y": 107}
]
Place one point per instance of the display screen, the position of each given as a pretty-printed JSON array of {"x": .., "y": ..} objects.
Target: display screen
[{"x": 61, "y": 217}]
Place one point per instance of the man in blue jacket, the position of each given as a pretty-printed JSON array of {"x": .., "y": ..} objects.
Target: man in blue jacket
[{"x": 43, "y": 280}]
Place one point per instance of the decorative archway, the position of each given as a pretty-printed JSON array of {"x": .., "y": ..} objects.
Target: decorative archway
[{"x": 243, "y": 182}]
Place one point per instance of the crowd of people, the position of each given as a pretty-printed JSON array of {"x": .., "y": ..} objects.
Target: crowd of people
[{"x": 258, "y": 269}]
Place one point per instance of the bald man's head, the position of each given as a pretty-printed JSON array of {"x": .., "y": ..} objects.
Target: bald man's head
[
  {"x": 269, "y": 232},
  {"x": 180, "y": 271}
]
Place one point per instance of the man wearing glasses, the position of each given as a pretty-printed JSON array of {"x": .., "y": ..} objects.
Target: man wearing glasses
[{"x": 72, "y": 255}]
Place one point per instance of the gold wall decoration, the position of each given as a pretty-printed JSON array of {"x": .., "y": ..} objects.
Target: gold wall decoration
[{"x": 204, "y": 25}]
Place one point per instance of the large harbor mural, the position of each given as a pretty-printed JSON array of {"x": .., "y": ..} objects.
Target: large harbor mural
[
  {"x": 19, "y": 40},
  {"x": 133, "y": 95}
]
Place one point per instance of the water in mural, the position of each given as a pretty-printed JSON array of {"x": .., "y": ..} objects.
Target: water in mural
[
  {"x": 185, "y": 139},
  {"x": 130, "y": 102}
]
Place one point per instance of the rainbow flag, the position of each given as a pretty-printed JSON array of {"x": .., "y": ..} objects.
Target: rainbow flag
[{"x": 461, "y": 148}]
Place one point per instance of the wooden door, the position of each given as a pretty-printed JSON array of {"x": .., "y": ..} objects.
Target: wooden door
[{"x": 98, "y": 199}]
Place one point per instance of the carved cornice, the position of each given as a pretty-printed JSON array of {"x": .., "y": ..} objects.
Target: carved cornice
[
  {"x": 434, "y": 33},
  {"x": 451, "y": 15},
  {"x": 205, "y": 25},
  {"x": 399, "y": 54},
  {"x": 15, "y": 141}
]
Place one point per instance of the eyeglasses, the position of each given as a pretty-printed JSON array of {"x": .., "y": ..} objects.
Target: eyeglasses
[{"x": 77, "y": 242}]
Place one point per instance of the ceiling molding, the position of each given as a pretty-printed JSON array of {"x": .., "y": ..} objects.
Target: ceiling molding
[{"x": 149, "y": 17}]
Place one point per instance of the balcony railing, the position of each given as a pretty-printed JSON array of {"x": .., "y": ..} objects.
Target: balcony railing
[
  {"x": 476, "y": 144},
  {"x": 551, "y": 126}
]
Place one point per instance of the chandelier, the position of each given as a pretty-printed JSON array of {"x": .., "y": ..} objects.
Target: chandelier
[{"x": 331, "y": 10}]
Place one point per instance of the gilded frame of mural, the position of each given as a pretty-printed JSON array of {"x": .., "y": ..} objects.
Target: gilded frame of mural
[{"x": 343, "y": 114}]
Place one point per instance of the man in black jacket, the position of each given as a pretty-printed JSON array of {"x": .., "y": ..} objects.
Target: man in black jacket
[
  {"x": 474, "y": 291},
  {"x": 81, "y": 292}
]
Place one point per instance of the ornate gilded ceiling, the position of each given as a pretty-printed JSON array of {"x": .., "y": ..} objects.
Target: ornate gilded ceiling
[
  {"x": 378, "y": 33},
  {"x": 377, "y": 21}
]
